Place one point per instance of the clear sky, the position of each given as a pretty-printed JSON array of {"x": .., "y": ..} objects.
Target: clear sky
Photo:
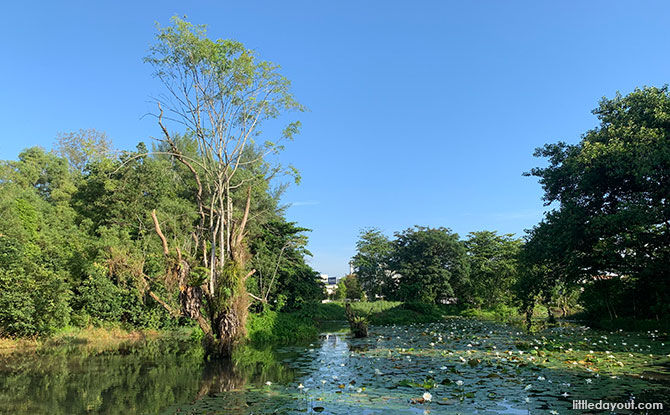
[{"x": 421, "y": 112}]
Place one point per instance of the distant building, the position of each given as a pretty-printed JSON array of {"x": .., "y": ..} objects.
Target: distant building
[{"x": 330, "y": 283}]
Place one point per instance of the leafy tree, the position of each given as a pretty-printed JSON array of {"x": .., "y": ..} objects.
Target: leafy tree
[
  {"x": 613, "y": 216},
  {"x": 431, "y": 264},
  {"x": 352, "y": 288},
  {"x": 279, "y": 260},
  {"x": 493, "y": 267},
  {"x": 83, "y": 147},
  {"x": 340, "y": 291},
  {"x": 371, "y": 262},
  {"x": 38, "y": 243}
]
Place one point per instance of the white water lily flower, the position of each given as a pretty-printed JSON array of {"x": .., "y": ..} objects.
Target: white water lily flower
[
  {"x": 300, "y": 386},
  {"x": 268, "y": 383},
  {"x": 540, "y": 378},
  {"x": 427, "y": 396},
  {"x": 589, "y": 380},
  {"x": 459, "y": 382},
  {"x": 564, "y": 394},
  {"x": 528, "y": 387},
  {"x": 553, "y": 412}
]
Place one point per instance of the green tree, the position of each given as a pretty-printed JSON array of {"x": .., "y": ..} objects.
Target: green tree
[
  {"x": 278, "y": 254},
  {"x": 431, "y": 265},
  {"x": 612, "y": 217},
  {"x": 340, "y": 291},
  {"x": 371, "y": 262},
  {"x": 39, "y": 243},
  {"x": 352, "y": 288},
  {"x": 493, "y": 267},
  {"x": 82, "y": 147}
]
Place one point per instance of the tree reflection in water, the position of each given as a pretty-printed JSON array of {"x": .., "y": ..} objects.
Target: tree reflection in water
[{"x": 135, "y": 378}]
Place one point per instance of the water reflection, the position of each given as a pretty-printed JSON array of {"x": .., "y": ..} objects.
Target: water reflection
[{"x": 133, "y": 379}]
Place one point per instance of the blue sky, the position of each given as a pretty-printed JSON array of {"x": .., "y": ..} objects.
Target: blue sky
[{"x": 420, "y": 112}]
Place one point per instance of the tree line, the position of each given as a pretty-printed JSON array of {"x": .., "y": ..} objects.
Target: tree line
[
  {"x": 604, "y": 241},
  {"x": 433, "y": 265}
]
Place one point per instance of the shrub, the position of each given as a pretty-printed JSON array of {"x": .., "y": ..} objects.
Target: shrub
[{"x": 99, "y": 297}]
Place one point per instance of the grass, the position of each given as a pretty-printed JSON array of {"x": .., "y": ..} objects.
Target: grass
[
  {"x": 92, "y": 338},
  {"x": 272, "y": 327},
  {"x": 305, "y": 324}
]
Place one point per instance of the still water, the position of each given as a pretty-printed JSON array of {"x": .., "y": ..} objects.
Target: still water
[{"x": 458, "y": 366}]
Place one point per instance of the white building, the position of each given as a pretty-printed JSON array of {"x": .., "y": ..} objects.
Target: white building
[{"x": 330, "y": 283}]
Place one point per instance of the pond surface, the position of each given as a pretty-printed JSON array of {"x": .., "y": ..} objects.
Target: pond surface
[{"x": 455, "y": 367}]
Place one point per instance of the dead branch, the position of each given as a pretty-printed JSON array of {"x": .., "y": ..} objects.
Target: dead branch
[
  {"x": 240, "y": 234},
  {"x": 166, "y": 251},
  {"x": 165, "y": 305}
]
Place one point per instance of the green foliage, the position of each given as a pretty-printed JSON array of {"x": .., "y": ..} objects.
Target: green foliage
[
  {"x": 340, "y": 293},
  {"x": 17, "y": 309},
  {"x": 77, "y": 220},
  {"x": 83, "y": 147},
  {"x": 408, "y": 313},
  {"x": 351, "y": 288},
  {"x": 271, "y": 327},
  {"x": 198, "y": 277},
  {"x": 493, "y": 267},
  {"x": 279, "y": 252},
  {"x": 431, "y": 264},
  {"x": 612, "y": 219},
  {"x": 32, "y": 303},
  {"x": 371, "y": 262},
  {"x": 99, "y": 298},
  {"x": 500, "y": 312}
]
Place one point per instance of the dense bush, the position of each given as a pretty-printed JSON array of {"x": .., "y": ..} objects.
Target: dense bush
[
  {"x": 32, "y": 303},
  {"x": 77, "y": 244}
]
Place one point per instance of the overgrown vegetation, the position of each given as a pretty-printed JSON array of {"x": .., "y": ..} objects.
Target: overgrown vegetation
[{"x": 189, "y": 229}]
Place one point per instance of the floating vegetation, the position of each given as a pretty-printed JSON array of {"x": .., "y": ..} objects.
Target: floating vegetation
[
  {"x": 458, "y": 366},
  {"x": 464, "y": 366}
]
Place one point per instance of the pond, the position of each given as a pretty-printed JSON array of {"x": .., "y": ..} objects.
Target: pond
[{"x": 458, "y": 366}]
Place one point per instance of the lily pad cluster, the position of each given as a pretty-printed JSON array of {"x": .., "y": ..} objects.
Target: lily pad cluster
[{"x": 459, "y": 366}]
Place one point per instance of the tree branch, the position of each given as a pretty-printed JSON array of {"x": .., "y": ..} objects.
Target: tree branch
[{"x": 166, "y": 251}]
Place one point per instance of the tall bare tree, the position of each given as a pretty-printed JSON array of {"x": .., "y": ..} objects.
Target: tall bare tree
[{"x": 220, "y": 93}]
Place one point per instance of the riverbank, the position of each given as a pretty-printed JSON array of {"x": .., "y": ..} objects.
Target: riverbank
[
  {"x": 271, "y": 327},
  {"x": 94, "y": 338},
  {"x": 305, "y": 324}
]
